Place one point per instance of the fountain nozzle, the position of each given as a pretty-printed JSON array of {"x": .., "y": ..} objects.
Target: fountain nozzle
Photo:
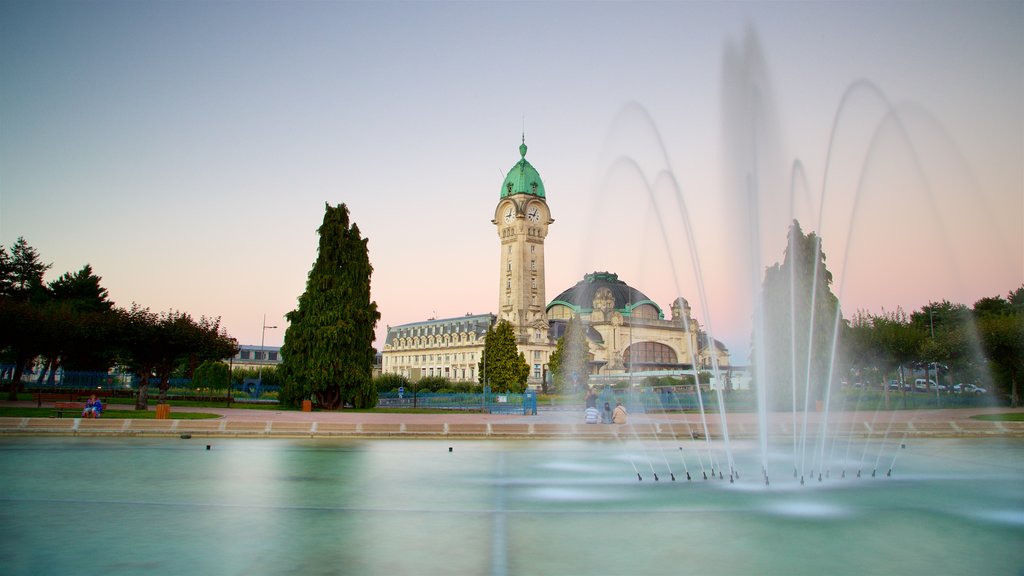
[
  {"x": 639, "y": 478},
  {"x": 889, "y": 473},
  {"x": 688, "y": 476},
  {"x": 655, "y": 476},
  {"x": 801, "y": 480}
]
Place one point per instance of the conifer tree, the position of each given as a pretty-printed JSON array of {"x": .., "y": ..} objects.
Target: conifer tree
[
  {"x": 502, "y": 366},
  {"x": 328, "y": 349},
  {"x": 569, "y": 363},
  {"x": 798, "y": 338}
]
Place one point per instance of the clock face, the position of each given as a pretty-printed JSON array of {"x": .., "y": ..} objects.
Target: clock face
[
  {"x": 509, "y": 214},
  {"x": 533, "y": 214}
]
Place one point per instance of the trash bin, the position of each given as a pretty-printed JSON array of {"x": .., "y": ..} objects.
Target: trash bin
[
  {"x": 163, "y": 411},
  {"x": 307, "y": 405}
]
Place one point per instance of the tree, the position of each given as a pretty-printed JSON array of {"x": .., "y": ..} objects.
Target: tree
[
  {"x": 798, "y": 338},
  {"x": 139, "y": 347},
  {"x": 212, "y": 375},
  {"x": 328, "y": 349},
  {"x": 79, "y": 310},
  {"x": 152, "y": 345},
  {"x": 1001, "y": 329},
  {"x": 883, "y": 343},
  {"x": 569, "y": 364},
  {"x": 502, "y": 366},
  {"x": 25, "y": 271},
  {"x": 23, "y": 326}
]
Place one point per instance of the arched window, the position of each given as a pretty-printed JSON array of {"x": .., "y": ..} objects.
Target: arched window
[{"x": 647, "y": 354}]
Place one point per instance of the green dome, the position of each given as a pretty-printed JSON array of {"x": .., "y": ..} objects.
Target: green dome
[{"x": 522, "y": 178}]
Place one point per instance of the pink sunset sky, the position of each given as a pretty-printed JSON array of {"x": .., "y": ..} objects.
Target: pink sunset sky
[{"x": 186, "y": 150}]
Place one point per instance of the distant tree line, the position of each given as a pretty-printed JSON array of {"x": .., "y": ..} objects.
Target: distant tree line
[
  {"x": 71, "y": 323},
  {"x": 808, "y": 342}
]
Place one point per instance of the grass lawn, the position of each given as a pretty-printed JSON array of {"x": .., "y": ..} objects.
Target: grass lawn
[{"x": 1007, "y": 417}]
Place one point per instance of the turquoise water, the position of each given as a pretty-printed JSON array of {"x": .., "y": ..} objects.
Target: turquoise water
[{"x": 170, "y": 506}]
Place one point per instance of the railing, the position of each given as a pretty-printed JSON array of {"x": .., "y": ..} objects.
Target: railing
[{"x": 487, "y": 402}]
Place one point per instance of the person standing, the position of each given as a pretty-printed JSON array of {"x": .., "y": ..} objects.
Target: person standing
[{"x": 619, "y": 415}]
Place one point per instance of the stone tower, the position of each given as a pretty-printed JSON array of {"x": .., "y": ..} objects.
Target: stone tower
[{"x": 522, "y": 219}]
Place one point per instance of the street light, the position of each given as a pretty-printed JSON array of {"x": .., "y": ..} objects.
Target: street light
[{"x": 259, "y": 376}]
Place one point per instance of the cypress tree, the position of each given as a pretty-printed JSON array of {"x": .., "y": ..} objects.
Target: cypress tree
[
  {"x": 796, "y": 335},
  {"x": 502, "y": 366},
  {"x": 570, "y": 362},
  {"x": 328, "y": 349}
]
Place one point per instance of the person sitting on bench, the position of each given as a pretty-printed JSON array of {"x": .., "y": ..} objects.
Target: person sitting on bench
[{"x": 93, "y": 408}]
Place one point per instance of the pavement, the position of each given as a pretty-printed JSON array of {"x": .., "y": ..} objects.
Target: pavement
[{"x": 547, "y": 423}]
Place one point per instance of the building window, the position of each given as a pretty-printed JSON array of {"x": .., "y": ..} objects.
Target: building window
[
  {"x": 533, "y": 264},
  {"x": 244, "y": 354},
  {"x": 649, "y": 353},
  {"x": 536, "y": 370},
  {"x": 272, "y": 356}
]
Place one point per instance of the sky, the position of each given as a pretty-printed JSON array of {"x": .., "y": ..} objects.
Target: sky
[{"x": 186, "y": 150}]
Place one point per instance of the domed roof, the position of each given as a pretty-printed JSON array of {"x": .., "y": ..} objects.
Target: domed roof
[
  {"x": 523, "y": 178},
  {"x": 581, "y": 296}
]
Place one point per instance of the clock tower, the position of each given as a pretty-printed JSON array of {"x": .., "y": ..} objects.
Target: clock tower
[{"x": 522, "y": 219}]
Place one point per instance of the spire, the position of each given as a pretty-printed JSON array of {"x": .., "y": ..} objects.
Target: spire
[{"x": 522, "y": 147}]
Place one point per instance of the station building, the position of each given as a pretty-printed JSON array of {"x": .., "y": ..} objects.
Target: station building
[{"x": 628, "y": 333}]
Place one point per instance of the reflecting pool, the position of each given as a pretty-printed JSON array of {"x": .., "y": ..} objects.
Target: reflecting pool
[{"x": 173, "y": 506}]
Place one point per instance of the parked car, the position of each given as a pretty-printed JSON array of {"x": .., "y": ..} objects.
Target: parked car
[
  {"x": 922, "y": 385},
  {"x": 964, "y": 388}
]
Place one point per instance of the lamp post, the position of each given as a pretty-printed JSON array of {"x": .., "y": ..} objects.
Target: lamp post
[{"x": 259, "y": 376}]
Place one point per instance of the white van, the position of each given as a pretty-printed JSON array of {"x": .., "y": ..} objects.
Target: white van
[{"x": 922, "y": 385}]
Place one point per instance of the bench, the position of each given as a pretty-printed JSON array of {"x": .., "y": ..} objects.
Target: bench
[
  {"x": 53, "y": 397},
  {"x": 59, "y": 408}
]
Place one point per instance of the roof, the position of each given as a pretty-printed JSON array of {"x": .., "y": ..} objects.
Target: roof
[
  {"x": 523, "y": 178},
  {"x": 477, "y": 323},
  {"x": 581, "y": 296}
]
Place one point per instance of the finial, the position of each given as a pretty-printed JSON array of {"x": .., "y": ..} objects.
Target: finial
[{"x": 522, "y": 147}]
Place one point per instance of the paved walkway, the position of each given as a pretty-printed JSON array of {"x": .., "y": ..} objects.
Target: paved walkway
[{"x": 546, "y": 424}]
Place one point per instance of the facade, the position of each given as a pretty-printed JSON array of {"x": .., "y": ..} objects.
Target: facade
[
  {"x": 627, "y": 331},
  {"x": 256, "y": 356},
  {"x": 449, "y": 348}
]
